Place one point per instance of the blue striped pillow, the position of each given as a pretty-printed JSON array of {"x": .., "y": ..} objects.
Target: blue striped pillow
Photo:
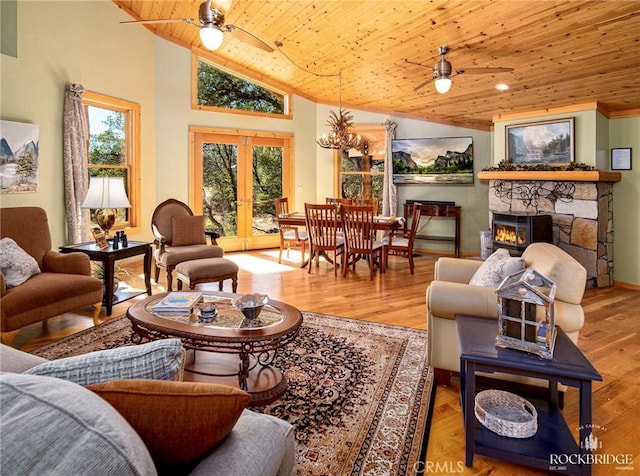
[{"x": 157, "y": 360}]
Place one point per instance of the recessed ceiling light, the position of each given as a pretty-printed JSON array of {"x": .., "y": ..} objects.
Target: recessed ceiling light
[{"x": 502, "y": 87}]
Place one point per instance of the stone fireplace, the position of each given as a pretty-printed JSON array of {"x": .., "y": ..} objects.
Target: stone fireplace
[{"x": 581, "y": 209}]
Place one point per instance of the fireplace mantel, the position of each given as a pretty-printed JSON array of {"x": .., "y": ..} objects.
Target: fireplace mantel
[{"x": 551, "y": 176}]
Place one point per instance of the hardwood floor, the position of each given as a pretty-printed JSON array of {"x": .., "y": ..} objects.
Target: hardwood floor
[{"x": 609, "y": 338}]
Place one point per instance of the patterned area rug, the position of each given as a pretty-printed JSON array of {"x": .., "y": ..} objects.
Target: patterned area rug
[{"x": 359, "y": 393}]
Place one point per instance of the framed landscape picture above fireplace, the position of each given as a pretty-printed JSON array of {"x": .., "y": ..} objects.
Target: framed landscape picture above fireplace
[{"x": 547, "y": 142}]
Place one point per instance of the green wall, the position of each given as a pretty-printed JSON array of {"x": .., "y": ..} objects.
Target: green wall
[
  {"x": 626, "y": 203},
  {"x": 76, "y": 42}
]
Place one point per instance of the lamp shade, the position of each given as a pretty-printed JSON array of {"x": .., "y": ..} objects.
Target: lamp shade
[
  {"x": 211, "y": 37},
  {"x": 106, "y": 192},
  {"x": 443, "y": 84}
]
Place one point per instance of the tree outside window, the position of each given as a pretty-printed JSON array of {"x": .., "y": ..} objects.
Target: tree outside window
[{"x": 220, "y": 89}]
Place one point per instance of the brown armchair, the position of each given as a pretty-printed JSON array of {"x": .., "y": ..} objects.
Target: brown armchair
[
  {"x": 64, "y": 284},
  {"x": 179, "y": 236}
]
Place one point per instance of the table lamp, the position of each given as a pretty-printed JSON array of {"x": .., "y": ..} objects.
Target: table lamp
[{"x": 104, "y": 196}]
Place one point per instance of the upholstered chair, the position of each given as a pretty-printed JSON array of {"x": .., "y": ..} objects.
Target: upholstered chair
[
  {"x": 36, "y": 282},
  {"x": 450, "y": 293},
  {"x": 179, "y": 236}
]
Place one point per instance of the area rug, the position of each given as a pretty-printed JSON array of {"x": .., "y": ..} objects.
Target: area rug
[{"x": 359, "y": 393}]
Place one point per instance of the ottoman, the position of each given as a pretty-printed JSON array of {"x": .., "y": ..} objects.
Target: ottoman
[{"x": 207, "y": 270}]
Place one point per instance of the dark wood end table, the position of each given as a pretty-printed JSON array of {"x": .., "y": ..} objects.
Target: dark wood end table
[
  {"x": 227, "y": 350},
  {"x": 108, "y": 257},
  {"x": 569, "y": 366}
]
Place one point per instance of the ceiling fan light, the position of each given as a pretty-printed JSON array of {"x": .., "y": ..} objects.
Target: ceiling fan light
[
  {"x": 443, "y": 84},
  {"x": 211, "y": 37}
]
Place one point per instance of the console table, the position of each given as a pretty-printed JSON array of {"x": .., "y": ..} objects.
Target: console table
[
  {"x": 440, "y": 210},
  {"x": 569, "y": 366}
]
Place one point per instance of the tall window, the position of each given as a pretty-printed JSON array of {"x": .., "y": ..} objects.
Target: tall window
[
  {"x": 114, "y": 145},
  {"x": 220, "y": 89},
  {"x": 360, "y": 173}
]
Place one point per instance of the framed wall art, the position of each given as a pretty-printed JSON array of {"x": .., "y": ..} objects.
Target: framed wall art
[
  {"x": 439, "y": 160},
  {"x": 621, "y": 158},
  {"x": 547, "y": 142},
  {"x": 19, "y": 145}
]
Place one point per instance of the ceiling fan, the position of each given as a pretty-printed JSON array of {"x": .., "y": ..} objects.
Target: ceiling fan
[
  {"x": 212, "y": 27},
  {"x": 442, "y": 72}
]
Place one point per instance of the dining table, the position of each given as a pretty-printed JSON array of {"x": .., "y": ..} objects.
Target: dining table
[{"x": 384, "y": 224}]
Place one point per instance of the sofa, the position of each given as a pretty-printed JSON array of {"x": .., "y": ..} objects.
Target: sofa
[
  {"x": 125, "y": 411},
  {"x": 37, "y": 283},
  {"x": 451, "y": 293}
]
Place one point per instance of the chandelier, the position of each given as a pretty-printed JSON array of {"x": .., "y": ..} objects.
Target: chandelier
[{"x": 339, "y": 137}]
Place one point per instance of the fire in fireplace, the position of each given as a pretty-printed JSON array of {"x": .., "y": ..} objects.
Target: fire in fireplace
[{"x": 515, "y": 231}]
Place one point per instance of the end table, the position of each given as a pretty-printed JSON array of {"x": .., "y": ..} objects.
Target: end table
[
  {"x": 569, "y": 366},
  {"x": 108, "y": 257}
]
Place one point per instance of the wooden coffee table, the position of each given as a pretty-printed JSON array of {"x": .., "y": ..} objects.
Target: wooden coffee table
[{"x": 227, "y": 350}]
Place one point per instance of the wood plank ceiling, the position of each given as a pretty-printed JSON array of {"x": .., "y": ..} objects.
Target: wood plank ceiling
[{"x": 564, "y": 53}]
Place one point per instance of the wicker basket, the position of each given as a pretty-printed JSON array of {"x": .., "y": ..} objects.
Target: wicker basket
[{"x": 506, "y": 414}]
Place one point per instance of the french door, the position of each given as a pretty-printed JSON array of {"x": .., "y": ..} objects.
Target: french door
[{"x": 235, "y": 176}]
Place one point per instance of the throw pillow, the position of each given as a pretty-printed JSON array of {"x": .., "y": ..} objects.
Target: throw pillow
[
  {"x": 496, "y": 267},
  {"x": 187, "y": 230},
  {"x": 50, "y": 426},
  {"x": 180, "y": 422},
  {"x": 161, "y": 360},
  {"x": 16, "y": 264}
]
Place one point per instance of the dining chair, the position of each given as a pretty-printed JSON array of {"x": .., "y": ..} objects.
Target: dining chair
[
  {"x": 290, "y": 236},
  {"x": 366, "y": 202},
  {"x": 360, "y": 234},
  {"x": 323, "y": 222},
  {"x": 400, "y": 242},
  {"x": 339, "y": 201}
]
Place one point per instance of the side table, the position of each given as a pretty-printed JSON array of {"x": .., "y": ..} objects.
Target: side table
[
  {"x": 569, "y": 366},
  {"x": 108, "y": 257}
]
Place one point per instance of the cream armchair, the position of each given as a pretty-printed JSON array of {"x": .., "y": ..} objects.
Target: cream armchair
[{"x": 450, "y": 294}]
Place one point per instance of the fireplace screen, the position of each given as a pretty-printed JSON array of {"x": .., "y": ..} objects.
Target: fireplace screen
[
  {"x": 509, "y": 235},
  {"x": 516, "y": 231}
]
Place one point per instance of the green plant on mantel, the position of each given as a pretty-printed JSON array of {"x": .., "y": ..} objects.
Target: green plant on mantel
[{"x": 504, "y": 166}]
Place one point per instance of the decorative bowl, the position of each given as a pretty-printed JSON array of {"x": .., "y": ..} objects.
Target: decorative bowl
[{"x": 251, "y": 304}]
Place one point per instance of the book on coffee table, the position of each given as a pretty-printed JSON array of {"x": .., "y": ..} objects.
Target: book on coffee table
[{"x": 177, "y": 302}]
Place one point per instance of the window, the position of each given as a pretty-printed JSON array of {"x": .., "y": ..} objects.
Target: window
[
  {"x": 113, "y": 144},
  {"x": 218, "y": 89},
  {"x": 235, "y": 178},
  {"x": 360, "y": 173}
]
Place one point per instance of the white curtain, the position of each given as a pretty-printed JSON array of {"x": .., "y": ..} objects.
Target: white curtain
[
  {"x": 389, "y": 196},
  {"x": 75, "y": 129}
]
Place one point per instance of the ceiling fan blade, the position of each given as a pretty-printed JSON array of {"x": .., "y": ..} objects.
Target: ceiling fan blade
[
  {"x": 159, "y": 20},
  {"x": 484, "y": 70},
  {"x": 247, "y": 37},
  {"x": 418, "y": 64},
  {"x": 423, "y": 84}
]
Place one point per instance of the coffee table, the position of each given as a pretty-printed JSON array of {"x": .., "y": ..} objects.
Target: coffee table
[{"x": 228, "y": 350}]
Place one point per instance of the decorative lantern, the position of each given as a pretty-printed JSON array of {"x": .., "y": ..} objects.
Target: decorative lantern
[{"x": 525, "y": 313}]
